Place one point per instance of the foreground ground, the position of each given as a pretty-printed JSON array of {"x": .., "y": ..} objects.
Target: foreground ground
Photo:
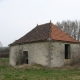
[{"x": 37, "y": 72}]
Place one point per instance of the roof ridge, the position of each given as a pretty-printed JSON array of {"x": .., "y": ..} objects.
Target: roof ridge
[{"x": 50, "y": 30}]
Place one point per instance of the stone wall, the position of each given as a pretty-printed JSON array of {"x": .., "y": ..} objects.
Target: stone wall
[
  {"x": 57, "y": 54},
  {"x": 75, "y": 54},
  {"x": 37, "y": 53},
  {"x": 48, "y": 53}
]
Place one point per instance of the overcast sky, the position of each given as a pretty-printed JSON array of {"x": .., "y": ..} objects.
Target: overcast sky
[{"x": 17, "y": 17}]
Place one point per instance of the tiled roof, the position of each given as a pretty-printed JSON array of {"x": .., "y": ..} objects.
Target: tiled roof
[
  {"x": 43, "y": 32},
  {"x": 39, "y": 33},
  {"x": 57, "y": 34}
]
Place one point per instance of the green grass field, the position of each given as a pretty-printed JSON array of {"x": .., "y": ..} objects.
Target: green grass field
[{"x": 41, "y": 73}]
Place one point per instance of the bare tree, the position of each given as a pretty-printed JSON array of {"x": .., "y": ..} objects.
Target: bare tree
[{"x": 70, "y": 27}]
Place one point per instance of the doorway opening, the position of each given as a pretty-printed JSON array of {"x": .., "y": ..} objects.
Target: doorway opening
[{"x": 25, "y": 56}]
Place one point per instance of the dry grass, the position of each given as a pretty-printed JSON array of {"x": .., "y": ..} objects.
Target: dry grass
[
  {"x": 38, "y": 66},
  {"x": 37, "y": 72}
]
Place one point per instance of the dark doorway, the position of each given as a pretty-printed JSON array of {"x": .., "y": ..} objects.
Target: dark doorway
[
  {"x": 67, "y": 51},
  {"x": 25, "y": 56}
]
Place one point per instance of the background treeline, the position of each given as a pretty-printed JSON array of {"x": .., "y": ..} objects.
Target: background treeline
[
  {"x": 70, "y": 27},
  {"x": 4, "y": 52}
]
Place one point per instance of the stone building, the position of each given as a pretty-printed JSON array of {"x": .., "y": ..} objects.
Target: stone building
[{"x": 47, "y": 45}]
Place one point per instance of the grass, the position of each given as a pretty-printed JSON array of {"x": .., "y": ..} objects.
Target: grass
[{"x": 15, "y": 73}]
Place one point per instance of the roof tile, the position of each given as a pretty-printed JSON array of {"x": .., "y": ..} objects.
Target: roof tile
[
  {"x": 57, "y": 34},
  {"x": 43, "y": 32}
]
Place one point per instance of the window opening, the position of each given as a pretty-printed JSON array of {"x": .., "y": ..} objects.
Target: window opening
[{"x": 67, "y": 51}]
